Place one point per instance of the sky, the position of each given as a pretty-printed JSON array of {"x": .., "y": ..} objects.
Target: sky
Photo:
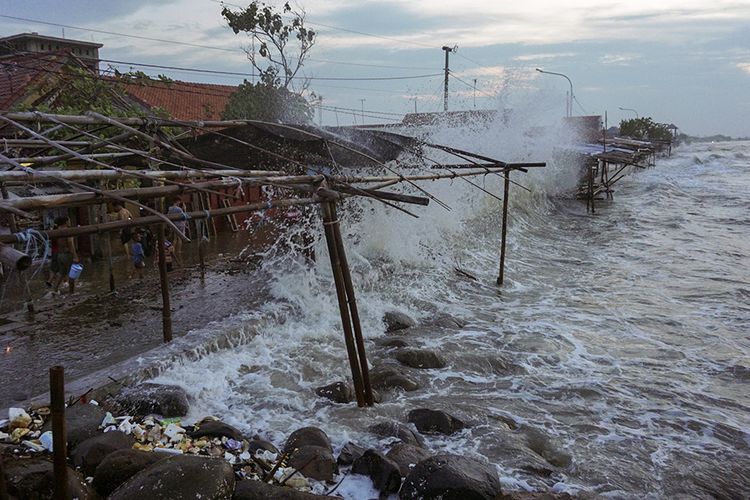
[{"x": 685, "y": 62}]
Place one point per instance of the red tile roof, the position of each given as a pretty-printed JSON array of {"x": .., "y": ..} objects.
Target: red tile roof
[
  {"x": 183, "y": 100},
  {"x": 19, "y": 73}
]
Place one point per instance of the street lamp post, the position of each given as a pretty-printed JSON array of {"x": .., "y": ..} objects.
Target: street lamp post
[
  {"x": 569, "y": 104},
  {"x": 630, "y": 109}
]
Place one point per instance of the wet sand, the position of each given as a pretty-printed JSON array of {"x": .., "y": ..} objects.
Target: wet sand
[{"x": 95, "y": 328}]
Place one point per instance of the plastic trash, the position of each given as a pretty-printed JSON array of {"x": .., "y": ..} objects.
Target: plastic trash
[
  {"x": 75, "y": 271},
  {"x": 18, "y": 418},
  {"x": 46, "y": 440},
  {"x": 169, "y": 451},
  {"x": 108, "y": 420},
  {"x": 174, "y": 432}
]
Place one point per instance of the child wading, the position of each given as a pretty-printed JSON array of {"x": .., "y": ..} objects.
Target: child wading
[{"x": 64, "y": 258}]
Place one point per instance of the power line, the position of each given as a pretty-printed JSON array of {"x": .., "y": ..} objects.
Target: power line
[
  {"x": 196, "y": 45},
  {"x": 472, "y": 86}
]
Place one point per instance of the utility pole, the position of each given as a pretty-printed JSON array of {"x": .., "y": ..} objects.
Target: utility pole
[
  {"x": 447, "y": 50},
  {"x": 475, "y": 93},
  {"x": 362, "y": 102},
  {"x": 320, "y": 111},
  {"x": 415, "y": 103}
]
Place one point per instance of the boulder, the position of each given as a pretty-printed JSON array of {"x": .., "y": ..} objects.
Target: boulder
[
  {"x": 406, "y": 456},
  {"x": 315, "y": 462},
  {"x": 390, "y": 377},
  {"x": 35, "y": 478},
  {"x": 307, "y": 436},
  {"x": 145, "y": 399},
  {"x": 88, "y": 454},
  {"x": 447, "y": 321},
  {"x": 384, "y": 473},
  {"x": 178, "y": 477},
  {"x": 261, "y": 444},
  {"x": 338, "y": 392},
  {"x": 420, "y": 358},
  {"x": 434, "y": 421},
  {"x": 451, "y": 477},
  {"x": 82, "y": 421},
  {"x": 395, "y": 320},
  {"x": 349, "y": 453},
  {"x": 523, "y": 495},
  {"x": 121, "y": 465},
  {"x": 215, "y": 428},
  {"x": 258, "y": 490},
  {"x": 397, "y": 430},
  {"x": 389, "y": 342}
]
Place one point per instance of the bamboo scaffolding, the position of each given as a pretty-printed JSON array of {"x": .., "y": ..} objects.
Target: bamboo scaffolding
[{"x": 82, "y": 175}]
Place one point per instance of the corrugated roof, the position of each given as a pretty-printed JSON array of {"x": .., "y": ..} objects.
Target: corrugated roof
[
  {"x": 19, "y": 73},
  {"x": 182, "y": 100}
]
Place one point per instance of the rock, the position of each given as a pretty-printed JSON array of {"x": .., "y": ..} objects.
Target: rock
[
  {"x": 542, "y": 445},
  {"x": 384, "y": 473},
  {"x": 261, "y": 444},
  {"x": 81, "y": 422},
  {"x": 534, "y": 496},
  {"x": 434, "y": 421},
  {"x": 451, "y": 477},
  {"x": 119, "y": 466},
  {"x": 34, "y": 478},
  {"x": 390, "y": 377},
  {"x": 349, "y": 453},
  {"x": 180, "y": 476},
  {"x": 315, "y": 462},
  {"x": 395, "y": 320},
  {"x": 406, "y": 456},
  {"x": 447, "y": 321},
  {"x": 391, "y": 342},
  {"x": 215, "y": 428},
  {"x": 89, "y": 453},
  {"x": 420, "y": 358},
  {"x": 307, "y": 436},
  {"x": 397, "y": 430},
  {"x": 144, "y": 399},
  {"x": 338, "y": 392},
  {"x": 258, "y": 490}
]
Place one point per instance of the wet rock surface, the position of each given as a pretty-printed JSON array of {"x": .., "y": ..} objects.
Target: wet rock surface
[
  {"x": 119, "y": 466},
  {"x": 391, "y": 377},
  {"x": 81, "y": 422},
  {"x": 90, "y": 453},
  {"x": 215, "y": 428},
  {"x": 258, "y": 490},
  {"x": 434, "y": 421},
  {"x": 383, "y": 472},
  {"x": 159, "y": 399},
  {"x": 307, "y": 436},
  {"x": 399, "y": 431},
  {"x": 396, "y": 320},
  {"x": 406, "y": 456},
  {"x": 349, "y": 453},
  {"x": 261, "y": 444},
  {"x": 420, "y": 358},
  {"x": 180, "y": 477},
  {"x": 451, "y": 477},
  {"x": 338, "y": 392},
  {"x": 315, "y": 462}
]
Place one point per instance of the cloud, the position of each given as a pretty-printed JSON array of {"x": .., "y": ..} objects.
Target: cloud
[
  {"x": 744, "y": 66},
  {"x": 545, "y": 56},
  {"x": 618, "y": 59}
]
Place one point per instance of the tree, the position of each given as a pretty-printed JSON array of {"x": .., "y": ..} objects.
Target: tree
[
  {"x": 273, "y": 31},
  {"x": 645, "y": 128},
  {"x": 261, "y": 101}
]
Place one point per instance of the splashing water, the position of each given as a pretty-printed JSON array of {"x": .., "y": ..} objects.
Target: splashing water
[{"x": 619, "y": 340}]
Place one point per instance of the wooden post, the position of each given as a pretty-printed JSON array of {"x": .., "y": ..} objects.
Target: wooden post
[
  {"x": 12, "y": 218},
  {"x": 3, "y": 486},
  {"x": 591, "y": 188},
  {"x": 506, "y": 190},
  {"x": 13, "y": 258},
  {"x": 328, "y": 221},
  {"x": 59, "y": 436},
  {"x": 166, "y": 308},
  {"x": 201, "y": 255},
  {"x": 27, "y": 292},
  {"x": 107, "y": 242},
  {"x": 349, "y": 286}
]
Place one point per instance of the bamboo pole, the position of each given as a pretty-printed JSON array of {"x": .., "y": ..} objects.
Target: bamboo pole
[
  {"x": 12, "y": 222},
  {"x": 506, "y": 191},
  {"x": 59, "y": 436},
  {"x": 352, "y": 302},
  {"x": 80, "y": 175},
  {"x": 166, "y": 308},
  {"x": 351, "y": 349},
  {"x": 13, "y": 258}
]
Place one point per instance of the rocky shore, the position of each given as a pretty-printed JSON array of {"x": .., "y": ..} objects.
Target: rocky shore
[{"x": 134, "y": 444}]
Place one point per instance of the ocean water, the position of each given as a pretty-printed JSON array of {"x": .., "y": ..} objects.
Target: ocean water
[{"x": 615, "y": 361}]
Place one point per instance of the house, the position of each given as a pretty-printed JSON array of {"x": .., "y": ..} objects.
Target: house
[
  {"x": 180, "y": 100},
  {"x": 22, "y": 43}
]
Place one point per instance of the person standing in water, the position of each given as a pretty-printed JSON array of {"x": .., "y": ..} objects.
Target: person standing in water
[
  {"x": 122, "y": 213},
  {"x": 66, "y": 256},
  {"x": 177, "y": 207},
  {"x": 138, "y": 256}
]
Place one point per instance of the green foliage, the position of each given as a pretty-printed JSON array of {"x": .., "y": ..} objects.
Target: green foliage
[
  {"x": 260, "y": 101},
  {"x": 273, "y": 30},
  {"x": 645, "y": 129}
]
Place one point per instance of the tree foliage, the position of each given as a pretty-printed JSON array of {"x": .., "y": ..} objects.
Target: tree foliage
[
  {"x": 260, "y": 101},
  {"x": 644, "y": 129},
  {"x": 273, "y": 30}
]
